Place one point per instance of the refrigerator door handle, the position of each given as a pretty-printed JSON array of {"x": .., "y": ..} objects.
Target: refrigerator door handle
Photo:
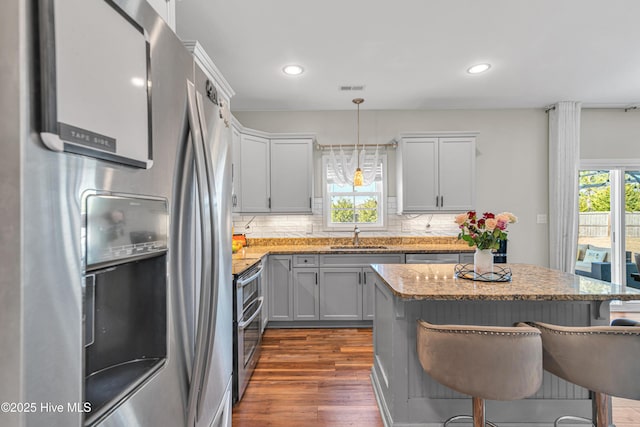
[
  {"x": 204, "y": 308},
  {"x": 182, "y": 261},
  {"x": 214, "y": 243}
]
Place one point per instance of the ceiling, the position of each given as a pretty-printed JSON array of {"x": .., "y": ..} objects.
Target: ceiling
[{"x": 413, "y": 54}]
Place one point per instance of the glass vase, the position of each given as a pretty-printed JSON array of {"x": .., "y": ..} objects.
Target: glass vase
[{"x": 483, "y": 261}]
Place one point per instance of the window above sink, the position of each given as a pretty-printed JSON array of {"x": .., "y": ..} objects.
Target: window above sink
[{"x": 346, "y": 206}]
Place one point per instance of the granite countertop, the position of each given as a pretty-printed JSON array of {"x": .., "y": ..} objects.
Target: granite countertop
[
  {"x": 239, "y": 265},
  {"x": 250, "y": 255},
  {"x": 529, "y": 282}
]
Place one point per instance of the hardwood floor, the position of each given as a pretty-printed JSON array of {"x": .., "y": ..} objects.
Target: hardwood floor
[
  {"x": 311, "y": 378},
  {"x": 320, "y": 378}
]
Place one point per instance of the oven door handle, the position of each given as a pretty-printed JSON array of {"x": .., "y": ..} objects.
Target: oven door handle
[
  {"x": 242, "y": 282},
  {"x": 243, "y": 325}
]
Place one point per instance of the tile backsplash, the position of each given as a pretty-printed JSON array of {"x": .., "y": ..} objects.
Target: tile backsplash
[{"x": 264, "y": 226}]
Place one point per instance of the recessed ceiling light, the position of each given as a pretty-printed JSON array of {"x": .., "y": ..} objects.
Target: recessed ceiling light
[
  {"x": 480, "y": 68},
  {"x": 293, "y": 70}
]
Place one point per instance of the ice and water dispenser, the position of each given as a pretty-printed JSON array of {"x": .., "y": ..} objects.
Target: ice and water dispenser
[{"x": 125, "y": 297}]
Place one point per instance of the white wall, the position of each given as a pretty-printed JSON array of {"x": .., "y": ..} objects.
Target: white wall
[
  {"x": 609, "y": 134},
  {"x": 512, "y": 156}
]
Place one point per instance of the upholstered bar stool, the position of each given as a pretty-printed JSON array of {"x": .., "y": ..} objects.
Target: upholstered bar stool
[
  {"x": 485, "y": 362},
  {"x": 603, "y": 359}
]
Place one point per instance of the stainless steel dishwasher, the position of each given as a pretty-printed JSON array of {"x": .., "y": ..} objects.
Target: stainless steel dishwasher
[{"x": 442, "y": 258}]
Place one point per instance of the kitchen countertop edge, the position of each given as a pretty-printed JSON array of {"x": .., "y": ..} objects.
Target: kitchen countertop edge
[
  {"x": 405, "y": 282},
  {"x": 250, "y": 255}
]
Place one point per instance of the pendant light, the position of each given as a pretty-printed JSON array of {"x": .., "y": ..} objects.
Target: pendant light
[{"x": 358, "y": 178}]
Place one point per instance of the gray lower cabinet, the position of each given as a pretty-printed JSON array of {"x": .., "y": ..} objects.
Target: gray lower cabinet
[
  {"x": 346, "y": 293},
  {"x": 280, "y": 288},
  {"x": 311, "y": 287},
  {"x": 306, "y": 294},
  {"x": 346, "y": 285},
  {"x": 294, "y": 288},
  {"x": 368, "y": 292},
  {"x": 341, "y": 293}
]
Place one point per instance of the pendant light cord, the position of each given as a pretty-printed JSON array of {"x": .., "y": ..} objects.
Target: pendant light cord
[
  {"x": 358, "y": 101},
  {"x": 358, "y": 178},
  {"x": 358, "y": 140}
]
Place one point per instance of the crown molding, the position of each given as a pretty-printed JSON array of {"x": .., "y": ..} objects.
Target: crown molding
[{"x": 205, "y": 62}]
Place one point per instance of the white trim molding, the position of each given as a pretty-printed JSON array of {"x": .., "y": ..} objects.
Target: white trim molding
[{"x": 205, "y": 62}]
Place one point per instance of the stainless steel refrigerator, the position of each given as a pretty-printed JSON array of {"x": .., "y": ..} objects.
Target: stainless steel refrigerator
[{"x": 115, "y": 222}]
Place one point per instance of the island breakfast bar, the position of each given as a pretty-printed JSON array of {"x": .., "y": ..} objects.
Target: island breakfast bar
[{"x": 405, "y": 293}]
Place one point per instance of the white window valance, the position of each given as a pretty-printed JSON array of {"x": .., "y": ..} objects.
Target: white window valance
[{"x": 341, "y": 166}]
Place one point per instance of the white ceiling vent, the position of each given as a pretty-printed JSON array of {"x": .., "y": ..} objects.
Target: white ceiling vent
[{"x": 347, "y": 88}]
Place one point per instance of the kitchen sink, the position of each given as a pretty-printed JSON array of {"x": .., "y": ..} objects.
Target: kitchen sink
[{"x": 359, "y": 247}]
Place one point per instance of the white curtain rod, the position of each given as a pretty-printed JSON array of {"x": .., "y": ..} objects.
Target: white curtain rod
[
  {"x": 626, "y": 109},
  {"x": 329, "y": 146}
]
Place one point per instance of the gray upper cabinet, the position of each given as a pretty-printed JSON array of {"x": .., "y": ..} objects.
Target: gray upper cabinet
[
  {"x": 272, "y": 173},
  {"x": 457, "y": 173},
  {"x": 418, "y": 180},
  {"x": 291, "y": 175},
  {"x": 435, "y": 173},
  {"x": 254, "y": 173}
]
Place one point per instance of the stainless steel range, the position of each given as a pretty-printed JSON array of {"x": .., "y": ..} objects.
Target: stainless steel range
[{"x": 247, "y": 324}]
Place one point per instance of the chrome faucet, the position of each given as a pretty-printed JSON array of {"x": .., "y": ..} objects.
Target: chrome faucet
[{"x": 356, "y": 236}]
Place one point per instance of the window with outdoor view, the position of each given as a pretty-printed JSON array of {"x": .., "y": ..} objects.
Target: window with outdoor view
[
  {"x": 347, "y": 205},
  {"x": 609, "y": 225}
]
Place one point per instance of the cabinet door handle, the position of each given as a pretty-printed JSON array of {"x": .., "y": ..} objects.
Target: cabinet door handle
[
  {"x": 316, "y": 278},
  {"x": 234, "y": 201},
  {"x": 289, "y": 265},
  {"x": 437, "y": 200},
  {"x": 310, "y": 206},
  {"x": 365, "y": 277},
  {"x": 442, "y": 201},
  {"x": 359, "y": 278},
  {"x": 269, "y": 203}
]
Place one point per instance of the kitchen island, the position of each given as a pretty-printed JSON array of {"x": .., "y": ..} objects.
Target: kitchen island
[{"x": 405, "y": 293}]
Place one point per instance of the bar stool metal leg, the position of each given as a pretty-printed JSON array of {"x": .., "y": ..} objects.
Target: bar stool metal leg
[
  {"x": 479, "y": 419},
  {"x": 556, "y": 423},
  {"x": 466, "y": 417},
  {"x": 601, "y": 412}
]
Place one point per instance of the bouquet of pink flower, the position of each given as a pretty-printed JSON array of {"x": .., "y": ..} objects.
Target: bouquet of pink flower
[{"x": 485, "y": 232}]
